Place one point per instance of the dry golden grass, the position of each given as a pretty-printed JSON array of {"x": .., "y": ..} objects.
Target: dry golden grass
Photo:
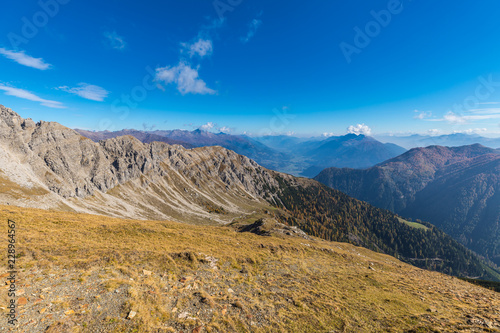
[
  {"x": 259, "y": 284},
  {"x": 17, "y": 191}
]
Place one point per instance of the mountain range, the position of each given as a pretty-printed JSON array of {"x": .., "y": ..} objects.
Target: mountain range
[
  {"x": 448, "y": 140},
  {"x": 454, "y": 188},
  {"x": 296, "y": 156},
  {"x": 47, "y": 165}
]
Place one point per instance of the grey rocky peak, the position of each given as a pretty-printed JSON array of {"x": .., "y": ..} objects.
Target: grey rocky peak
[{"x": 155, "y": 179}]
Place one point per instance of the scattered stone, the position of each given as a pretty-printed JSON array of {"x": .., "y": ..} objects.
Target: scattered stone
[
  {"x": 69, "y": 312},
  {"x": 431, "y": 310},
  {"x": 183, "y": 315},
  {"x": 22, "y": 301},
  {"x": 60, "y": 327},
  {"x": 186, "y": 279},
  {"x": 20, "y": 292},
  {"x": 229, "y": 290},
  {"x": 197, "y": 329},
  {"x": 131, "y": 314},
  {"x": 146, "y": 272},
  {"x": 41, "y": 311}
]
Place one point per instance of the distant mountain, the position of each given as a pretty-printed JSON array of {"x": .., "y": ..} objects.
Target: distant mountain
[
  {"x": 143, "y": 136},
  {"x": 353, "y": 151},
  {"x": 456, "y": 189},
  {"x": 289, "y": 154},
  {"x": 46, "y": 165},
  {"x": 283, "y": 143},
  {"x": 449, "y": 140},
  {"x": 189, "y": 139}
]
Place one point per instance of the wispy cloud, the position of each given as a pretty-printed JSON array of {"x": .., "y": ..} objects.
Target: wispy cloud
[
  {"x": 422, "y": 114},
  {"x": 208, "y": 126},
  {"x": 23, "y": 59},
  {"x": 252, "y": 29},
  {"x": 202, "y": 48},
  {"x": 434, "y": 131},
  {"x": 21, "y": 93},
  {"x": 456, "y": 118},
  {"x": 114, "y": 40},
  {"x": 87, "y": 91},
  {"x": 472, "y": 131},
  {"x": 359, "y": 129},
  {"x": 226, "y": 130},
  {"x": 185, "y": 77},
  {"x": 485, "y": 111}
]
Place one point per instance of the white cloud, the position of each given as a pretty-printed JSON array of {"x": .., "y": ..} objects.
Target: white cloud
[
  {"x": 208, "y": 126},
  {"x": 254, "y": 25},
  {"x": 185, "y": 77},
  {"x": 359, "y": 129},
  {"x": 472, "y": 131},
  {"x": 422, "y": 114},
  {"x": 202, "y": 48},
  {"x": 21, "y": 93},
  {"x": 225, "y": 129},
  {"x": 88, "y": 91},
  {"x": 455, "y": 118},
  {"x": 114, "y": 40},
  {"x": 328, "y": 134},
  {"x": 434, "y": 131},
  {"x": 23, "y": 59},
  {"x": 486, "y": 111},
  {"x": 477, "y": 114}
]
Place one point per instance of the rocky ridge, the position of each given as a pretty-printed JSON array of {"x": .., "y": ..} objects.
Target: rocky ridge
[{"x": 62, "y": 162}]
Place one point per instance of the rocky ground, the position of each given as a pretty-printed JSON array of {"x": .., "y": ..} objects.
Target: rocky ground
[{"x": 85, "y": 273}]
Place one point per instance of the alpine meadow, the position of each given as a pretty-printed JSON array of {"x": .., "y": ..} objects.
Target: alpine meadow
[{"x": 249, "y": 166}]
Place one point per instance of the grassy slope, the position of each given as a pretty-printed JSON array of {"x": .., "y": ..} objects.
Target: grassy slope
[
  {"x": 413, "y": 224},
  {"x": 277, "y": 283},
  {"x": 332, "y": 215}
]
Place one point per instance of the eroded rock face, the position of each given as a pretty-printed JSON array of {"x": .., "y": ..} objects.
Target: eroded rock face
[{"x": 71, "y": 165}]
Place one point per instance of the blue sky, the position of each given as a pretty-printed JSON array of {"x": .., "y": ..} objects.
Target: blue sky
[{"x": 259, "y": 67}]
